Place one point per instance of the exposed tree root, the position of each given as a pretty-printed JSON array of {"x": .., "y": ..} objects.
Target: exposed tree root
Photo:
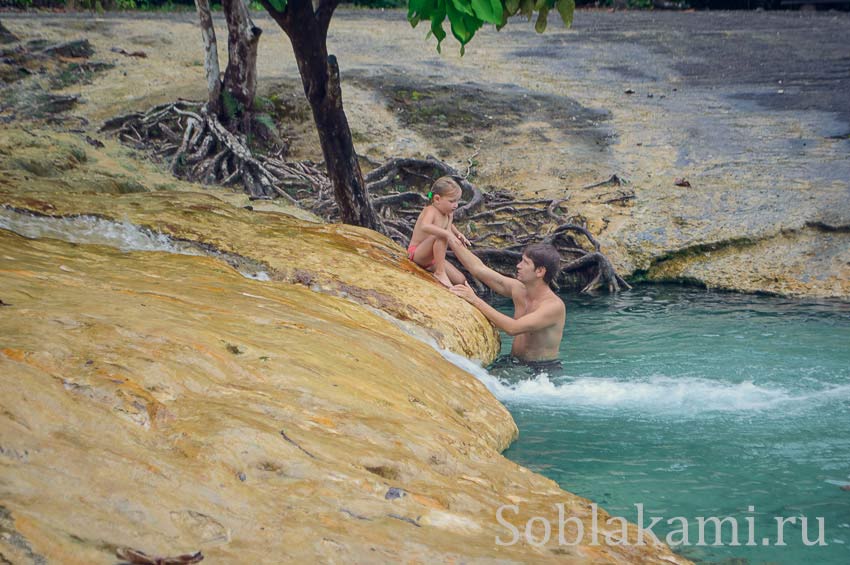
[
  {"x": 199, "y": 148},
  {"x": 499, "y": 224}
]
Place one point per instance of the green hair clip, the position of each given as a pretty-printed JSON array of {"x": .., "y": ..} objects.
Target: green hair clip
[{"x": 430, "y": 194}]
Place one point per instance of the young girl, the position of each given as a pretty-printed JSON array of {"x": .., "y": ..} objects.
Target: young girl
[{"x": 432, "y": 232}]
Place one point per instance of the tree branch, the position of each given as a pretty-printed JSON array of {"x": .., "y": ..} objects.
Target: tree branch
[
  {"x": 284, "y": 18},
  {"x": 324, "y": 13},
  {"x": 211, "y": 67}
]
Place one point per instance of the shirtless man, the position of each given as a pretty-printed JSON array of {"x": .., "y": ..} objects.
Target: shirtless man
[{"x": 539, "y": 314}]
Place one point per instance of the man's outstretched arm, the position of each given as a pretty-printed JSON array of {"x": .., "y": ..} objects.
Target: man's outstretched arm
[
  {"x": 500, "y": 284},
  {"x": 545, "y": 316}
]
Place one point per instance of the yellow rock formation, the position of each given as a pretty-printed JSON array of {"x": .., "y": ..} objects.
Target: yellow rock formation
[
  {"x": 167, "y": 403},
  {"x": 55, "y": 175}
]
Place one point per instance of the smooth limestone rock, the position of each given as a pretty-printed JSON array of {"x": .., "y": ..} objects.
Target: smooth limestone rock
[
  {"x": 813, "y": 261},
  {"x": 167, "y": 403},
  {"x": 64, "y": 179},
  {"x": 783, "y": 241}
]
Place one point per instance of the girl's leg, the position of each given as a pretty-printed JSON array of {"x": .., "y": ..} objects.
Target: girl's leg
[
  {"x": 439, "y": 250},
  {"x": 454, "y": 274},
  {"x": 424, "y": 254}
]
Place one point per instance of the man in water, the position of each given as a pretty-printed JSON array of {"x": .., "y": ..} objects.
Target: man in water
[{"x": 539, "y": 314}]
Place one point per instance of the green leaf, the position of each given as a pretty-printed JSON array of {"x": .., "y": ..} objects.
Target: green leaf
[
  {"x": 416, "y": 7},
  {"x": 526, "y": 7},
  {"x": 511, "y": 6},
  {"x": 279, "y": 5},
  {"x": 498, "y": 9},
  {"x": 457, "y": 23},
  {"x": 504, "y": 21},
  {"x": 462, "y": 6},
  {"x": 437, "y": 17},
  {"x": 267, "y": 121},
  {"x": 540, "y": 25},
  {"x": 473, "y": 24},
  {"x": 419, "y": 10},
  {"x": 232, "y": 106},
  {"x": 567, "y": 9},
  {"x": 485, "y": 11}
]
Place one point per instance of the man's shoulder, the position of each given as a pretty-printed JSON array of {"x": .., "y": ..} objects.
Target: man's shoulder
[
  {"x": 553, "y": 304},
  {"x": 556, "y": 298},
  {"x": 556, "y": 301},
  {"x": 518, "y": 290}
]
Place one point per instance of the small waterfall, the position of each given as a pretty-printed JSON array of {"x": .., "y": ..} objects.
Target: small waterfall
[{"x": 125, "y": 236}]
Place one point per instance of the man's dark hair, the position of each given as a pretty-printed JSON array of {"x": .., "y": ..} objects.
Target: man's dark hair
[{"x": 544, "y": 255}]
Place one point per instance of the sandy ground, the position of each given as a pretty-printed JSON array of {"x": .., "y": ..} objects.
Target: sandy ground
[{"x": 749, "y": 107}]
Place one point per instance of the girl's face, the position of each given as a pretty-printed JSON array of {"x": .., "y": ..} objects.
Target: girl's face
[{"x": 447, "y": 203}]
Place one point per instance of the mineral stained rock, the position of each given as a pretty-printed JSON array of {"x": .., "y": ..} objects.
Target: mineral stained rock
[
  {"x": 63, "y": 177},
  {"x": 169, "y": 404}
]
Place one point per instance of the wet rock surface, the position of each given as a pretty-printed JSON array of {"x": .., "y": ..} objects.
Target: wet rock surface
[
  {"x": 458, "y": 113},
  {"x": 127, "y": 421},
  {"x": 6, "y": 36},
  {"x": 161, "y": 401},
  {"x": 65, "y": 178}
]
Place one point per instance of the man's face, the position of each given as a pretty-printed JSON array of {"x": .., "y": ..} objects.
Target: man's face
[{"x": 525, "y": 271}]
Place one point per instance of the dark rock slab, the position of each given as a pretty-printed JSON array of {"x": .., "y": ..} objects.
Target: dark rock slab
[
  {"x": 6, "y": 36},
  {"x": 79, "y": 48}
]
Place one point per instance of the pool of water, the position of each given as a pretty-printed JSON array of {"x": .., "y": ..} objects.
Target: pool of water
[{"x": 695, "y": 403}]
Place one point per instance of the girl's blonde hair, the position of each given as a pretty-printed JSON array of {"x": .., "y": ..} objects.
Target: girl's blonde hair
[{"x": 443, "y": 186}]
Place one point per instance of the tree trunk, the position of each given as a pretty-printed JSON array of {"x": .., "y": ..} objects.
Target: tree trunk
[
  {"x": 211, "y": 67},
  {"x": 321, "y": 85},
  {"x": 307, "y": 30},
  {"x": 240, "y": 77}
]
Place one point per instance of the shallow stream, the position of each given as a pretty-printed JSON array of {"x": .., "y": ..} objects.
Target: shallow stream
[{"x": 694, "y": 403}]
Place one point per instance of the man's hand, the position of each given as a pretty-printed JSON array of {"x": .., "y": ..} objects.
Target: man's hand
[
  {"x": 500, "y": 284},
  {"x": 464, "y": 291}
]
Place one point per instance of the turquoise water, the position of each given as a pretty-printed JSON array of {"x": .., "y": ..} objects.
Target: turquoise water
[{"x": 695, "y": 403}]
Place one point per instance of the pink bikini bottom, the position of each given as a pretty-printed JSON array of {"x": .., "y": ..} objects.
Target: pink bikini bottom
[{"x": 411, "y": 250}]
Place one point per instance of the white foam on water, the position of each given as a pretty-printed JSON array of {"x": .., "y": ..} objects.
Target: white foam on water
[
  {"x": 258, "y": 276},
  {"x": 664, "y": 394},
  {"x": 655, "y": 395},
  {"x": 92, "y": 230}
]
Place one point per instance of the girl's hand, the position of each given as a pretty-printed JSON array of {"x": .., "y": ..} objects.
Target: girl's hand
[{"x": 463, "y": 240}]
